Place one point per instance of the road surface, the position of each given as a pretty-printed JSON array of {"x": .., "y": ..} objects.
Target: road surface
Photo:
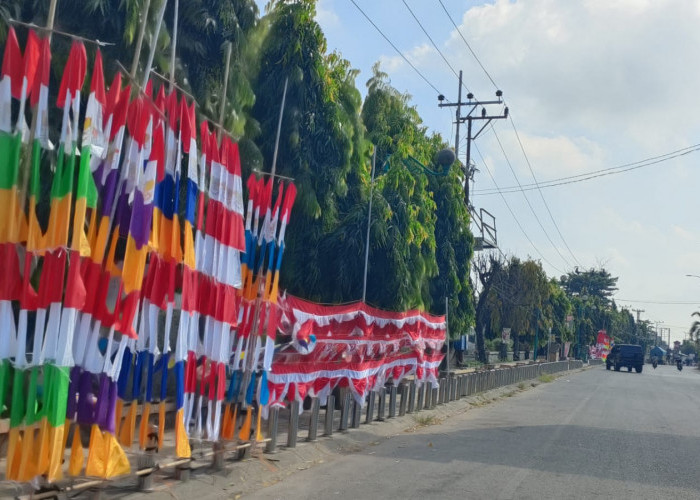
[{"x": 590, "y": 434}]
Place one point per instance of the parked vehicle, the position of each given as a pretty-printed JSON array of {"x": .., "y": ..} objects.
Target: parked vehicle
[{"x": 625, "y": 355}]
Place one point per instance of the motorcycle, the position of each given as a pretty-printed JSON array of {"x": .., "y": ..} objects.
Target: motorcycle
[{"x": 654, "y": 363}]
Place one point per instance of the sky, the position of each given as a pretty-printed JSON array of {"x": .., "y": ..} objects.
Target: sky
[{"x": 590, "y": 85}]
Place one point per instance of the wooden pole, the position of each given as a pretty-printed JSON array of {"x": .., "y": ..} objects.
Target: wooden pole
[
  {"x": 173, "y": 48},
  {"x": 222, "y": 104},
  {"x": 154, "y": 43},
  {"x": 139, "y": 40},
  {"x": 279, "y": 128}
]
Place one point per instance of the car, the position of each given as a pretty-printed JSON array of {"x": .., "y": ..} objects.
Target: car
[{"x": 627, "y": 355}]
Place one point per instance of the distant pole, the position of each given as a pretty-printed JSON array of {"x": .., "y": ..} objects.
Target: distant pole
[
  {"x": 173, "y": 48},
  {"x": 537, "y": 331},
  {"x": 549, "y": 342},
  {"x": 458, "y": 119},
  {"x": 447, "y": 335},
  {"x": 279, "y": 127},
  {"x": 369, "y": 221}
]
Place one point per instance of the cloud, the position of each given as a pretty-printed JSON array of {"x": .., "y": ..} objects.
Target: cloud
[
  {"x": 419, "y": 56},
  {"x": 616, "y": 69},
  {"x": 551, "y": 157},
  {"x": 325, "y": 15}
]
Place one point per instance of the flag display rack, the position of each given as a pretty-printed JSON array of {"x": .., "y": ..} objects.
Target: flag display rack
[
  {"x": 72, "y": 36},
  {"x": 152, "y": 286}
]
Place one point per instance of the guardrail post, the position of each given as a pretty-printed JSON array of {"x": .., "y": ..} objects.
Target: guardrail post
[
  {"x": 381, "y": 407},
  {"x": 313, "y": 419},
  {"x": 421, "y": 394},
  {"x": 434, "y": 398},
  {"x": 370, "y": 408},
  {"x": 217, "y": 458},
  {"x": 345, "y": 411},
  {"x": 441, "y": 391},
  {"x": 411, "y": 396},
  {"x": 453, "y": 388},
  {"x": 356, "y": 414},
  {"x": 330, "y": 408},
  {"x": 182, "y": 472},
  {"x": 293, "y": 424},
  {"x": 403, "y": 404},
  {"x": 271, "y": 446},
  {"x": 146, "y": 461},
  {"x": 392, "y": 401}
]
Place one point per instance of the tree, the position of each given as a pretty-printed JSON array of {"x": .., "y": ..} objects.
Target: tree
[
  {"x": 320, "y": 137},
  {"x": 593, "y": 283}
]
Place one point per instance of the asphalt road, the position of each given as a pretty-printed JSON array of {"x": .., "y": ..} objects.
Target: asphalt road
[{"x": 589, "y": 434}]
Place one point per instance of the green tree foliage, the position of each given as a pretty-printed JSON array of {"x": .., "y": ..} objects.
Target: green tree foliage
[
  {"x": 593, "y": 283},
  {"x": 521, "y": 294},
  {"x": 421, "y": 245},
  {"x": 403, "y": 252},
  {"x": 320, "y": 136}
]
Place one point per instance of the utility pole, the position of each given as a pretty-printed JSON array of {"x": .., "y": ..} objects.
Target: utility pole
[
  {"x": 638, "y": 311},
  {"x": 470, "y": 117}
]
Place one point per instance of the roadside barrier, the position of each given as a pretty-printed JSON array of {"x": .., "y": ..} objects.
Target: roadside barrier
[{"x": 286, "y": 426}]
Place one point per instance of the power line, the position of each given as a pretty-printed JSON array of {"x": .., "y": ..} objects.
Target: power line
[
  {"x": 661, "y": 302},
  {"x": 396, "y": 48},
  {"x": 546, "y": 205},
  {"x": 594, "y": 174},
  {"x": 483, "y": 161},
  {"x": 527, "y": 200},
  {"x": 433, "y": 42},
  {"x": 467, "y": 44}
]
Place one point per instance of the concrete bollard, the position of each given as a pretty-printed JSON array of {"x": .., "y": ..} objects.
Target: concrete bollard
[
  {"x": 313, "y": 419},
  {"x": 453, "y": 388},
  {"x": 293, "y": 424},
  {"x": 441, "y": 391},
  {"x": 434, "y": 398},
  {"x": 330, "y": 408},
  {"x": 428, "y": 395},
  {"x": 370, "y": 408},
  {"x": 345, "y": 411},
  {"x": 381, "y": 407},
  {"x": 411, "y": 397},
  {"x": 271, "y": 446},
  {"x": 392, "y": 401}
]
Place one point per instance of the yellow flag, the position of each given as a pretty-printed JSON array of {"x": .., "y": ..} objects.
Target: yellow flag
[{"x": 77, "y": 456}]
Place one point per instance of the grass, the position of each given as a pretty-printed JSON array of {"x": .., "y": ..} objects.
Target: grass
[
  {"x": 521, "y": 386},
  {"x": 424, "y": 421},
  {"x": 545, "y": 378}
]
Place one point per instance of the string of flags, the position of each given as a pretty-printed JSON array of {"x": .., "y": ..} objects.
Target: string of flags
[{"x": 99, "y": 271}]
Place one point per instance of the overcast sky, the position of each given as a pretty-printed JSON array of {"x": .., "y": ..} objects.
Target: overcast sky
[{"x": 590, "y": 84}]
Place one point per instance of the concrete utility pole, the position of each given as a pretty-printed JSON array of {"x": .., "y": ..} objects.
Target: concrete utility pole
[
  {"x": 469, "y": 118},
  {"x": 638, "y": 311}
]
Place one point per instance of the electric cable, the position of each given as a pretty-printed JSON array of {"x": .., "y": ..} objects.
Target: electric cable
[{"x": 396, "y": 48}]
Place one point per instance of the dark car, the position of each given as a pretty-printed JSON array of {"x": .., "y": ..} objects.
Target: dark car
[{"x": 630, "y": 356}]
